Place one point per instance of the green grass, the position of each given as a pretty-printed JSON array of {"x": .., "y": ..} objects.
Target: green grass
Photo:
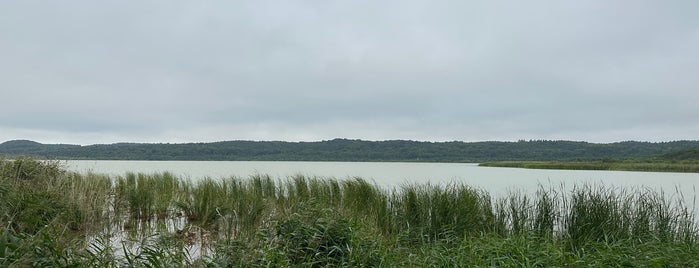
[{"x": 51, "y": 217}]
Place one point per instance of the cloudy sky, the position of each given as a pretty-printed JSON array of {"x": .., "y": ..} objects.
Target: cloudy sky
[{"x": 86, "y": 72}]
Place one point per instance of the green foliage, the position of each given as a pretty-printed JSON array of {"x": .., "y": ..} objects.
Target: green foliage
[
  {"x": 156, "y": 252},
  {"x": 61, "y": 219},
  {"x": 432, "y": 212},
  {"x": 315, "y": 240},
  {"x": 352, "y": 150},
  {"x": 687, "y": 154},
  {"x": 204, "y": 203}
]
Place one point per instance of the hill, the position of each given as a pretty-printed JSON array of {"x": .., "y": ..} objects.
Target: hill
[
  {"x": 350, "y": 150},
  {"x": 32, "y": 148}
]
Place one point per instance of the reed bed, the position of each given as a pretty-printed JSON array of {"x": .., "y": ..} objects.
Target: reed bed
[
  {"x": 627, "y": 165},
  {"x": 310, "y": 221}
]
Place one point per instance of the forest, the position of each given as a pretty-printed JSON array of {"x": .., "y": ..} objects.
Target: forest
[{"x": 351, "y": 150}]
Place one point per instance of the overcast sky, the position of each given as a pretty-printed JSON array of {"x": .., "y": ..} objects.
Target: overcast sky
[{"x": 89, "y": 72}]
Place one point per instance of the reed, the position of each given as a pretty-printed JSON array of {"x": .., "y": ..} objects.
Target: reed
[
  {"x": 246, "y": 202},
  {"x": 547, "y": 212},
  {"x": 165, "y": 188},
  {"x": 204, "y": 206},
  {"x": 306, "y": 221},
  {"x": 356, "y": 196},
  {"x": 654, "y": 165},
  {"x": 90, "y": 197}
]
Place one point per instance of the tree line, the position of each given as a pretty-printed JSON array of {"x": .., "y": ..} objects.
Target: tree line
[{"x": 351, "y": 150}]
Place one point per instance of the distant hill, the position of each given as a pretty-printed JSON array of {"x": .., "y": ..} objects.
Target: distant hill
[
  {"x": 32, "y": 148},
  {"x": 350, "y": 150}
]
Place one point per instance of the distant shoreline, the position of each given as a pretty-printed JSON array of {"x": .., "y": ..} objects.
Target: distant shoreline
[
  {"x": 643, "y": 166},
  {"x": 345, "y": 150}
]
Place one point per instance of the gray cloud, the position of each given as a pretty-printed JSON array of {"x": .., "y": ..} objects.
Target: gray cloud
[{"x": 96, "y": 72}]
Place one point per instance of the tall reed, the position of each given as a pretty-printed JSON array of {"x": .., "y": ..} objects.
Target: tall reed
[{"x": 300, "y": 219}]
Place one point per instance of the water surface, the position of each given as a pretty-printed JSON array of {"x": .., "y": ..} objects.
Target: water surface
[{"x": 495, "y": 180}]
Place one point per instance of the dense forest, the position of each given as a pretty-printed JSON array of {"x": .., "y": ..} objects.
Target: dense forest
[
  {"x": 687, "y": 154},
  {"x": 351, "y": 150}
]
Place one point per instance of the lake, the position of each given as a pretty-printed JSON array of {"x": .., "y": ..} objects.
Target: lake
[{"x": 495, "y": 180}]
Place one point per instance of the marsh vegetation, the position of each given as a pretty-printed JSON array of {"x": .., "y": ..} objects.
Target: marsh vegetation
[
  {"x": 686, "y": 160},
  {"x": 653, "y": 165},
  {"x": 52, "y": 217}
]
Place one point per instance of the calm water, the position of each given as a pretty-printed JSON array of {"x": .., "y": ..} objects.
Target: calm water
[{"x": 494, "y": 180}]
